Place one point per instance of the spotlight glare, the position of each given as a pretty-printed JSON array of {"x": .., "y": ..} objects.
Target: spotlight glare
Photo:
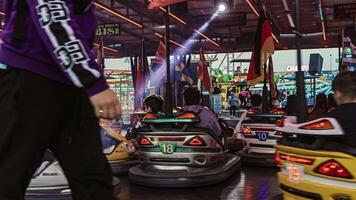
[{"x": 222, "y": 7}]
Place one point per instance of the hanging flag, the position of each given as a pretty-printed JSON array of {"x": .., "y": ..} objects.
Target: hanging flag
[
  {"x": 177, "y": 67},
  {"x": 349, "y": 49},
  {"x": 144, "y": 63},
  {"x": 101, "y": 53},
  {"x": 263, "y": 49},
  {"x": 270, "y": 74},
  {"x": 159, "y": 65},
  {"x": 140, "y": 78},
  {"x": 161, "y": 3},
  {"x": 159, "y": 61},
  {"x": 203, "y": 73},
  {"x": 186, "y": 74}
]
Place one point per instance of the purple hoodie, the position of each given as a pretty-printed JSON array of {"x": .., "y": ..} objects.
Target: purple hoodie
[
  {"x": 207, "y": 118},
  {"x": 58, "y": 43}
]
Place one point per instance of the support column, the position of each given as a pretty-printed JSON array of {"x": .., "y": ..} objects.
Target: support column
[
  {"x": 302, "y": 110},
  {"x": 168, "y": 92}
]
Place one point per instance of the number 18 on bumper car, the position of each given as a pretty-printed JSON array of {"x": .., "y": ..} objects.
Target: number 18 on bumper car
[{"x": 175, "y": 153}]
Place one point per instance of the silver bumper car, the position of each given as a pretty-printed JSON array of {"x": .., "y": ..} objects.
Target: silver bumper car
[
  {"x": 259, "y": 136},
  {"x": 50, "y": 183},
  {"x": 174, "y": 153}
]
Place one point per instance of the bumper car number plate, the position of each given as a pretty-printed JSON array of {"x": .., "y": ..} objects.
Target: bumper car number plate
[
  {"x": 295, "y": 173},
  {"x": 167, "y": 148},
  {"x": 262, "y": 136}
]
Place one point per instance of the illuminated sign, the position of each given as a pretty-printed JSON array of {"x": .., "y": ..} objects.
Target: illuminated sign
[
  {"x": 108, "y": 29},
  {"x": 294, "y": 68}
]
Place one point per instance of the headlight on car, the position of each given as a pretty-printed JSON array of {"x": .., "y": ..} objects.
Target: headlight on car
[{"x": 109, "y": 150}]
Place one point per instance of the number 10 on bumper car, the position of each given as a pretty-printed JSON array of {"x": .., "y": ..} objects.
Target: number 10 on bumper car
[{"x": 175, "y": 153}]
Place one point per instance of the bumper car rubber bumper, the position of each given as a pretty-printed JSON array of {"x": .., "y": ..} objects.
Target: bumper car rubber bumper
[
  {"x": 51, "y": 193},
  {"x": 307, "y": 189},
  {"x": 58, "y": 193},
  {"x": 212, "y": 175},
  {"x": 123, "y": 166},
  {"x": 255, "y": 158}
]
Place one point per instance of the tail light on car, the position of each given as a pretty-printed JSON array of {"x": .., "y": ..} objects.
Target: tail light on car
[
  {"x": 319, "y": 125},
  {"x": 196, "y": 142},
  {"x": 150, "y": 116},
  {"x": 334, "y": 169},
  {"x": 278, "y": 111},
  {"x": 296, "y": 159},
  {"x": 251, "y": 112},
  {"x": 280, "y": 123},
  {"x": 279, "y": 133},
  {"x": 144, "y": 141},
  {"x": 187, "y": 115},
  {"x": 277, "y": 159},
  {"x": 246, "y": 131}
]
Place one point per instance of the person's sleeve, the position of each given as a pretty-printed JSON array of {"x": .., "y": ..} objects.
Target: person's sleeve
[{"x": 56, "y": 26}]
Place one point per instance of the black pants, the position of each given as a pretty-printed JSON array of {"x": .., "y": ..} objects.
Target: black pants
[
  {"x": 233, "y": 109},
  {"x": 243, "y": 101},
  {"x": 38, "y": 114}
]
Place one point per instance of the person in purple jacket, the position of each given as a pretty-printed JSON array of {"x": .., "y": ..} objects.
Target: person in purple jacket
[
  {"x": 208, "y": 119},
  {"x": 52, "y": 93}
]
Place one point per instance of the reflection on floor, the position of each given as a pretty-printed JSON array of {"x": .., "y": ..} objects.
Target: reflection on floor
[{"x": 254, "y": 183}]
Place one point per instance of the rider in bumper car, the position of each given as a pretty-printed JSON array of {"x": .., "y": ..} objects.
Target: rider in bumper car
[
  {"x": 208, "y": 119},
  {"x": 153, "y": 105},
  {"x": 344, "y": 87}
]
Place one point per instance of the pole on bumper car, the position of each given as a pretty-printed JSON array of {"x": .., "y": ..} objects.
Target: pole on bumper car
[
  {"x": 168, "y": 95},
  {"x": 302, "y": 110},
  {"x": 265, "y": 90}
]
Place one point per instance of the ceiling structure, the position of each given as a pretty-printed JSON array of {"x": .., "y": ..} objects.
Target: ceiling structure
[{"x": 232, "y": 31}]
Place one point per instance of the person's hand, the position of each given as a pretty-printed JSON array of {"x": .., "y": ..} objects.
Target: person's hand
[{"x": 106, "y": 104}]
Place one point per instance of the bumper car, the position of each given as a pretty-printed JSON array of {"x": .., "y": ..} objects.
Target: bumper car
[
  {"x": 175, "y": 153},
  {"x": 50, "y": 183},
  {"x": 118, "y": 150},
  {"x": 313, "y": 164},
  {"x": 258, "y": 134}
]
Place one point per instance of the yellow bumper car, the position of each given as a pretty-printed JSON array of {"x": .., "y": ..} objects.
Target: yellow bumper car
[
  {"x": 119, "y": 151},
  {"x": 313, "y": 164}
]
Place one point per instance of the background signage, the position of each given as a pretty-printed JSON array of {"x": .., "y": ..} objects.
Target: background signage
[{"x": 108, "y": 29}]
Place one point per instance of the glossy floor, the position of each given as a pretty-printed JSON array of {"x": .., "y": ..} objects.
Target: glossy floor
[{"x": 253, "y": 183}]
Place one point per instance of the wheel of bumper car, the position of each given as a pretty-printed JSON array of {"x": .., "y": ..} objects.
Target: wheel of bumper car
[{"x": 174, "y": 153}]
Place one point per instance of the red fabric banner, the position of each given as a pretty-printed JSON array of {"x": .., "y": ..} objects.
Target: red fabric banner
[
  {"x": 203, "y": 73},
  {"x": 161, "y": 3}
]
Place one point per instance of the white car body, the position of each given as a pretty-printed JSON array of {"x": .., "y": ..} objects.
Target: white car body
[{"x": 261, "y": 140}]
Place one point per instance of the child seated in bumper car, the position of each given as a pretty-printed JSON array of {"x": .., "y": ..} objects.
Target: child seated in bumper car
[
  {"x": 152, "y": 104},
  {"x": 344, "y": 87},
  {"x": 208, "y": 119},
  {"x": 256, "y": 102}
]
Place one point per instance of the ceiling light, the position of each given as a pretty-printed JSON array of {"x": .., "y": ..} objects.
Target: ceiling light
[{"x": 222, "y": 7}]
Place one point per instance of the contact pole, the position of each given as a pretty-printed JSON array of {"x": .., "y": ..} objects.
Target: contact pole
[
  {"x": 265, "y": 91},
  {"x": 302, "y": 110},
  {"x": 168, "y": 95}
]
